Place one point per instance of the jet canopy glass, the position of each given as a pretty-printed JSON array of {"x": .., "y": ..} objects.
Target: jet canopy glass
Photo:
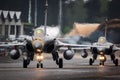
[
  {"x": 39, "y": 33},
  {"x": 102, "y": 40}
]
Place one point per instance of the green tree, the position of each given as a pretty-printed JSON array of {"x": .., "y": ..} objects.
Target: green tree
[
  {"x": 93, "y": 10},
  {"x": 103, "y": 10},
  {"x": 114, "y": 11},
  {"x": 53, "y": 12},
  {"x": 73, "y": 12}
]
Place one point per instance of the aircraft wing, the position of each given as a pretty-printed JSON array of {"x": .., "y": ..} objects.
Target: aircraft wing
[
  {"x": 78, "y": 46},
  {"x": 10, "y": 44},
  {"x": 116, "y": 48}
]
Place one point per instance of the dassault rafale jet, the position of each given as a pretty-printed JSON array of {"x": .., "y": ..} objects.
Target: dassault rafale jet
[
  {"x": 100, "y": 48},
  {"x": 41, "y": 44},
  {"x": 32, "y": 48}
]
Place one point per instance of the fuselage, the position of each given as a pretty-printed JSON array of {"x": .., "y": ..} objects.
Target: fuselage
[
  {"x": 41, "y": 42},
  {"x": 103, "y": 46}
]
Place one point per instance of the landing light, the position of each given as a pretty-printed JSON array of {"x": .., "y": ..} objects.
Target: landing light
[
  {"x": 39, "y": 57},
  {"x": 101, "y": 53},
  {"x": 102, "y": 58},
  {"x": 38, "y": 50}
]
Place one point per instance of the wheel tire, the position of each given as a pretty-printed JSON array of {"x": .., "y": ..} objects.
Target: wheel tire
[
  {"x": 60, "y": 63},
  {"x": 90, "y": 61},
  {"x": 57, "y": 61},
  {"x": 28, "y": 61},
  {"x": 116, "y": 62},
  {"x": 37, "y": 65},
  {"x": 55, "y": 55},
  {"x": 41, "y": 65},
  {"x": 24, "y": 63},
  {"x": 102, "y": 63}
]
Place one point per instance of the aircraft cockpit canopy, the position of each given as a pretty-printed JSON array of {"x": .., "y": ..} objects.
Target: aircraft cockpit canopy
[
  {"x": 102, "y": 40},
  {"x": 39, "y": 33}
]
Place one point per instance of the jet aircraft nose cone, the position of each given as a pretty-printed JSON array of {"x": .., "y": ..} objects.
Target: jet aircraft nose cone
[{"x": 37, "y": 45}]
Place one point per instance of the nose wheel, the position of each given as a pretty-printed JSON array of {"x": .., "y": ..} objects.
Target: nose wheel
[
  {"x": 39, "y": 65},
  {"x": 102, "y": 63},
  {"x": 59, "y": 61}
]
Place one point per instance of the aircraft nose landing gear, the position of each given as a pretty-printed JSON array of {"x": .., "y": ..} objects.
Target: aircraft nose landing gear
[
  {"x": 102, "y": 59},
  {"x": 39, "y": 59},
  {"x": 39, "y": 65}
]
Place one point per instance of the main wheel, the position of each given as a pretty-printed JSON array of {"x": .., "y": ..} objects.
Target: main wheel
[
  {"x": 25, "y": 62},
  {"x": 55, "y": 55},
  {"x": 116, "y": 62},
  {"x": 102, "y": 63},
  {"x": 90, "y": 61},
  {"x": 60, "y": 63},
  {"x": 41, "y": 65},
  {"x": 57, "y": 61},
  {"x": 28, "y": 61},
  {"x": 38, "y": 65}
]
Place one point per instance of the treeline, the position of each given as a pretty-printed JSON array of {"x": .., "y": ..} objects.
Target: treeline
[
  {"x": 82, "y": 11},
  {"x": 91, "y": 11}
]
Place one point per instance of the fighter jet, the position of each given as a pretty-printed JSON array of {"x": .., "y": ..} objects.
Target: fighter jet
[
  {"x": 100, "y": 48},
  {"x": 31, "y": 49},
  {"x": 40, "y": 43}
]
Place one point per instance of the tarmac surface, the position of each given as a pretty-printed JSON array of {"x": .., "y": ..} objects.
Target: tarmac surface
[{"x": 75, "y": 69}]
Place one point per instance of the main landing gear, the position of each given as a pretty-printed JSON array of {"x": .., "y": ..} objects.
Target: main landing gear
[
  {"x": 115, "y": 62},
  {"x": 91, "y": 61},
  {"x": 27, "y": 56},
  {"x": 59, "y": 61},
  {"x": 26, "y": 62}
]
